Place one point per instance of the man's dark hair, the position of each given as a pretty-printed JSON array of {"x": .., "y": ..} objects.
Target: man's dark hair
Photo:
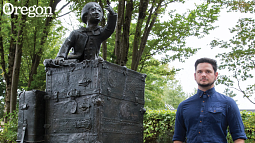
[{"x": 207, "y": 60}]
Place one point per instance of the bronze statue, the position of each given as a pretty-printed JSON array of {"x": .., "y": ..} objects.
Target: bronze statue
[
  {"x": 86, "y": 41},
  {"x": 87, "y": 99}
]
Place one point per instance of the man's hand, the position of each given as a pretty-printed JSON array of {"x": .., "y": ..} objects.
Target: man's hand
[
  {"x": 239, "y": 141},
  {"x": 109, "y": 8},
  {"x": 177, "y": 141}
]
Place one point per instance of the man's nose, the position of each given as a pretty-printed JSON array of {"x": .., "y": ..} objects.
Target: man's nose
[{"x": 203, "y": 74}]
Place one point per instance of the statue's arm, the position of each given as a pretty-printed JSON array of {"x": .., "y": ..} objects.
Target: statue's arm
[
  {"x": 66, "y": 46},
  {"x": 111, "y": 22}
]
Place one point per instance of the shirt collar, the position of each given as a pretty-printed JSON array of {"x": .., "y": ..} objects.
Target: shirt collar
[{"x": 209, "y": 92}]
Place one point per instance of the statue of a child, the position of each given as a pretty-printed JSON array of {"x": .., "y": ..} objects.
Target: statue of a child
[{"x": 86, "y": 41}]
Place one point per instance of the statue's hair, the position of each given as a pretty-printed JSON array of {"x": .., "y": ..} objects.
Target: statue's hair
[
  {"x": 85, "y": 10},
  {"x": 207, "y": 60}
]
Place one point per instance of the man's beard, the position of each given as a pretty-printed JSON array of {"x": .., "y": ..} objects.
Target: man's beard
[{"x": 206, "y": 85}]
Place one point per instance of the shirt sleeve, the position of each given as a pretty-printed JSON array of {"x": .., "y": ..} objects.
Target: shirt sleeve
[
  {"x": 180, "y": 130},
  {"x": 235, "y": 122}
]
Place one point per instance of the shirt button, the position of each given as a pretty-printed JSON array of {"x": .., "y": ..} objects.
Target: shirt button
[
  {"x": 199, "y": 132},
  {"x": 203, "y": 101},
  {"x": 202, "y": 111},
  {"x": 200, "y": 121}
]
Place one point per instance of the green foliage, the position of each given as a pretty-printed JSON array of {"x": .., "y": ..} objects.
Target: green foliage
[
  {"x": 33, "y": 49},
  {"x": 170, "y": 36},
  {"x": 236, "y": 5},
  {"x": 249, "y": 124},
  {"x": 157, "y": 81},
  {"x": 240, "y": 61},
  {"x": 173, "y": 93},
  {"x": 161, "y": 88},
  {"x": 9, "y": 133},
  {"x": 159, "y": 126}
]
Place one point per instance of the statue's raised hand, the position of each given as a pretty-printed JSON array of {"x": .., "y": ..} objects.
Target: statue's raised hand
[{"x": 109, "y": 8}]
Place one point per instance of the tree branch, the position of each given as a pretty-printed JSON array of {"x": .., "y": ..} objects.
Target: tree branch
[
  {"x": 238, "y": 83},
  {"x": 63, "y": 6},
  {"x": 64, "y": 14}
]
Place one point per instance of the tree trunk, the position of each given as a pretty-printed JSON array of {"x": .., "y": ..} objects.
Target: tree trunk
[
  {"x": 126, "y": 31},
  {"x": 32, "y": 70},
  {"x": 15, "y": 75},
  {"x": 117, "y": 53},
  {"x": 148, "y": 27},
  {"x": 8, "y": 75},
  {"x": 4, "y": 71},
  {"x": 141, "y": 17},
  {"x": 17, "y": 63}
]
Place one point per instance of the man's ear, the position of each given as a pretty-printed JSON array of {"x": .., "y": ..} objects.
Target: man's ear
[
  {"x": 195, "y": 76},
  {"x": 216, "y": 75}
]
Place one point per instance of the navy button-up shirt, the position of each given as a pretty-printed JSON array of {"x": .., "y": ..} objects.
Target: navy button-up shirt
[{"x": 204, "y": 118}]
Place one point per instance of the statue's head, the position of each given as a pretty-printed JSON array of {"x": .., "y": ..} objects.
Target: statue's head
[{"x": 92, "y": 11}]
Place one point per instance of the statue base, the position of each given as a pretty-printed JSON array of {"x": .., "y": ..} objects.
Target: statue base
[{"x": 93, "y": 102}]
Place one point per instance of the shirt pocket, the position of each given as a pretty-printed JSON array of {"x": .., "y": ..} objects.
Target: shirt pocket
[{"x": 215, "y": 114}]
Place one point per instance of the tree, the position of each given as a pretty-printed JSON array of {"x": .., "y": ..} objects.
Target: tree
[
  {"x": 174, "y": 94},
  {"x": 30, "y": 77},
  {"x": 240, "y": 60},
  {"x": 23, "y": 36},
  {"x": 158, "y": 75},
  {"x": 162, "y": 89}
]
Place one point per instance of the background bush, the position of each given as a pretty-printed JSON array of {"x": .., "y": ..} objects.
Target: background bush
[
  {"x": 9, "y": 133},
  {"x": 159, "y": 126}
]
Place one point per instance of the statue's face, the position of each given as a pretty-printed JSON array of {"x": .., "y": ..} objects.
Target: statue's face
[{"x": 95, "y": 14}]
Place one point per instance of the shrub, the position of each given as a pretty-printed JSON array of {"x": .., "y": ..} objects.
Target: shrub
[
  {"x": 9, "y": 133},
  {"x": 159, "y": 126}
]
